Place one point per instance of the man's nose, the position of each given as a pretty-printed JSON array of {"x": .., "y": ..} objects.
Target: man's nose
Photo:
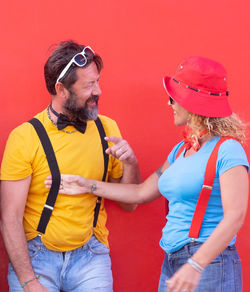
[{"x": 97, "y": 89}]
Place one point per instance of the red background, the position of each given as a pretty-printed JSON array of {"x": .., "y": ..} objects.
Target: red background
[{"x": 139, "y": 41}]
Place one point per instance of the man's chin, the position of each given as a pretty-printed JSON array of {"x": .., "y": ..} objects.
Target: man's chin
[{"x": 92, "y": 114}]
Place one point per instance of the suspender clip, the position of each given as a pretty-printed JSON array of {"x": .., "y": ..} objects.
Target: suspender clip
[
  {"x": 207, "y": 187},
  {"x": 48, "y": 207}
]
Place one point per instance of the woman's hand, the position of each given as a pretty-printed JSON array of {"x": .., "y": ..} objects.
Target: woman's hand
[
  {"x": 71, "y": 184},
  {"x": 185, "y": 279}
]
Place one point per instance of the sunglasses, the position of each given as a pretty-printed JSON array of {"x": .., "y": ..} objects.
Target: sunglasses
[
  {"x": 171, "y": 100},
  {"x": 80, "y": 59}
]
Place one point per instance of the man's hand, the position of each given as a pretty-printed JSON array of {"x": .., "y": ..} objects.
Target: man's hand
[
  {"x": 131, "y": 174},
  {"x": 121, "y": 150}
]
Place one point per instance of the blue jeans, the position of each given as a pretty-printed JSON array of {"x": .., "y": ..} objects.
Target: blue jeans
[
  {"x": 223, "y": 274},
  {"x": 85, "y": 269}
]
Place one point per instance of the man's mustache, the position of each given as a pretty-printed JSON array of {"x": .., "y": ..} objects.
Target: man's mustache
[{"x": 93, "y": 98}]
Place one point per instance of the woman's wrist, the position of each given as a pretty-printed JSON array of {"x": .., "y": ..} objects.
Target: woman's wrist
[
  {"x": 195, "y": 265},
  {"x": 92, "y": 186}
]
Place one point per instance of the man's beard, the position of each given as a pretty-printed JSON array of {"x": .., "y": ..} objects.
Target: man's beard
[{"x": 83, "y": 113}]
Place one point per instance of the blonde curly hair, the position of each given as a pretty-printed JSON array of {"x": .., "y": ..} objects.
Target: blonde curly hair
[{"x": 228, "y": 126}]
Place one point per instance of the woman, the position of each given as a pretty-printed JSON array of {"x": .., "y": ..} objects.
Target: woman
[{"x": 198, "y": 96}]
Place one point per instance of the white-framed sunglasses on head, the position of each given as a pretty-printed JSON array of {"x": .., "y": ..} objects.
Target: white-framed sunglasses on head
[{"x": 79, "y": 59}]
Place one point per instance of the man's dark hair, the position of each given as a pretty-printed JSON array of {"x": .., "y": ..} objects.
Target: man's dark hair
[{"x": 60, "y": 58}]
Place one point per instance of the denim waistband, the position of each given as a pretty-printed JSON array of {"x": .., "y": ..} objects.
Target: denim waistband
[
  {"x": 93, "y": 244},
  {"x": 191, "y": 247}
]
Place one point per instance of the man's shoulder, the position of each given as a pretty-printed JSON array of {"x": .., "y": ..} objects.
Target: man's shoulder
[
  {"x": 41, "y": 115},
  {"x": 110, "y": 126},
  {"x": 25, "y": 129},
  {"x": 107, "y": 120}
]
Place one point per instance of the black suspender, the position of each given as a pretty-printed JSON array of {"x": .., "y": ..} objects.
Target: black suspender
[
  {"x": 54, "y": 169},
  {"x": 106, "y": 162},
  {"x": 56, "y": 178}
]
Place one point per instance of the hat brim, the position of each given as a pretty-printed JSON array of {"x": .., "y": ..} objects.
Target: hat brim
[{"x": 197, "y": 102}]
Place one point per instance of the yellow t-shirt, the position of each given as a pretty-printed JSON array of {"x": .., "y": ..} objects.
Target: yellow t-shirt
[{"x": 71, "y": 222}]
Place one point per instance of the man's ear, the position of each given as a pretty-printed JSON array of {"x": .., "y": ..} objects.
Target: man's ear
[{"x": 61, "y": 91}]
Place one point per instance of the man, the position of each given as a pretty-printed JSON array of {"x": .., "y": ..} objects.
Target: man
[{"x": 69, "y": 252}]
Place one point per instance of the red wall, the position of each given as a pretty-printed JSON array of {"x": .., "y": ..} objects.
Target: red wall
[{"x": 140, "y": 41}]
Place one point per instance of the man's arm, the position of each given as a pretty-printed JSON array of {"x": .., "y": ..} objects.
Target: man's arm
[
  {"x": 13, "y": 200},
  {"x": 131, "y": 173}
]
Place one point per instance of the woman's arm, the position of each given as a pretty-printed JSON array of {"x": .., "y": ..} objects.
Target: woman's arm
[
  {"x": 234, "y": 194},
  {"x": 126, "y": 193}
]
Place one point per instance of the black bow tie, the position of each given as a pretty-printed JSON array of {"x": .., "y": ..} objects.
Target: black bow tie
[{"x": 63, "y": 121}]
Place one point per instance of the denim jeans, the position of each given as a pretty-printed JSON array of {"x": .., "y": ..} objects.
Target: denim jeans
[
  {"x": 85, "y": 269},
  {"x": 223, "y": 274}
]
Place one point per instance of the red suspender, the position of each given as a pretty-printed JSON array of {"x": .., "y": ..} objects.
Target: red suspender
[
  {"x": 180, "y": 151},
  {"x": 205, "y": 191}
]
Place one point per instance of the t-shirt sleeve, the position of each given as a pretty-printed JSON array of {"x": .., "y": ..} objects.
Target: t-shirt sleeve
[
  {"x": 16, "y": 163},
  {"x": 231, "y": 154},
  {"x": 173, "y": 153}
]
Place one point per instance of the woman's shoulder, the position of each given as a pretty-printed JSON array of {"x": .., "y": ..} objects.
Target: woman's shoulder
[
  {"x": 231, "y": 153},
  {"x": 175, "y": 152},
  {"x": 232, "y": 147}
]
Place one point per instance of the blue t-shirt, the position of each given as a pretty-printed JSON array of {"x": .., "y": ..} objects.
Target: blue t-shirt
[{"x": 181, "y": 184}]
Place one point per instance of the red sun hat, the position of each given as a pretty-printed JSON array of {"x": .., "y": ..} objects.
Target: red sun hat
[{"x": 200, "y": 86}]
